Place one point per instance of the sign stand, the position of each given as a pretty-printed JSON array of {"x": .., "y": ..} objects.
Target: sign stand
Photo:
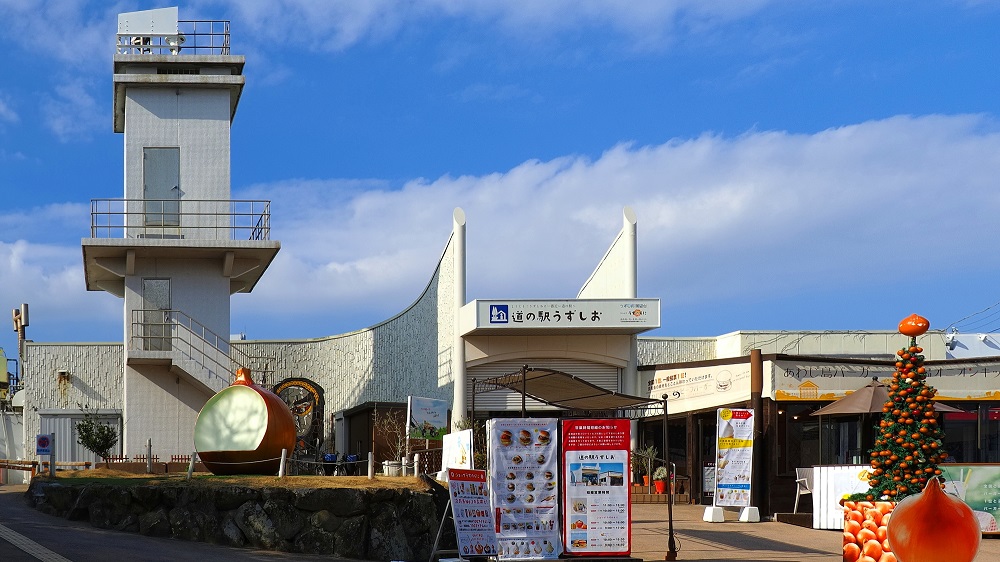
[{"x": 45, "y": 445}]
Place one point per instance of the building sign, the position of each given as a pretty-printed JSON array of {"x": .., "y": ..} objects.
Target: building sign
[
  {"x": 597, "y": 513},
  {"x": 470, "y": 507},
  {"x": 801, "y": 380},
  {"x": 634, "y": 314},
  {"x": 525, "y": 487},
  {"x": 701, "y": 387},
  {"x": 734, "y": 461}
]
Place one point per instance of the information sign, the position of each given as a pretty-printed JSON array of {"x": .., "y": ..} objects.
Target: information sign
[
  {"x": 470, "y": 507},
  {"x": 597, "y": 513},
  {"x": 734, "y": 458},
  {"x": 43, "y": 444}
]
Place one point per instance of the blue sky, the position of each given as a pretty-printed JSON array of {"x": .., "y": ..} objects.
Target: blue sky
[{"x": 793, "y": 165}]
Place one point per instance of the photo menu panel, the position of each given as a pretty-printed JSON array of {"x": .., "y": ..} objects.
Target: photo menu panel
[{"x": 525, "y": 487}]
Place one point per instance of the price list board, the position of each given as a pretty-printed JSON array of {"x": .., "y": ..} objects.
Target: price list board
[
  {"x": 525, "y": 487},
  {"x": 470, "y": 506},
  {"x": 597, "y": 513}
]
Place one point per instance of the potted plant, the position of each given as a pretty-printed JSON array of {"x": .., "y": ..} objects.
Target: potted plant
[
  {"x": 642, "y": 459},
  {"x": 660, "y": 477}
]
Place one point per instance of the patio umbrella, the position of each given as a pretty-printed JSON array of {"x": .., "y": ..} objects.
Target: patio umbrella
[{"x": 869, "y": 399}]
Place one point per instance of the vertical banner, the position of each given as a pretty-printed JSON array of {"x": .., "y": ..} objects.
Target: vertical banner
[
  {"x": 525, "y": 487},
  {"x": 470, "y": 507},
  {"x": 597, "y": 513},
  {"x": 734, "y": 432},
  {"x": 457, "y": 450},
  {"x": 427, "y": 418}
]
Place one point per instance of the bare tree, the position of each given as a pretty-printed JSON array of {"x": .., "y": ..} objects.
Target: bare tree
[{"x": 392, "y": 427}]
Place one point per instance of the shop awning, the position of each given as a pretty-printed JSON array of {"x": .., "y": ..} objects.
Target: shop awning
[
  {"x": 561, "y": 390},
  {"x": 866, "y": 400}
]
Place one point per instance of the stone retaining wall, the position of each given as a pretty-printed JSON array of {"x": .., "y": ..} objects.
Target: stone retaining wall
[{"x": 382, "y": 524}]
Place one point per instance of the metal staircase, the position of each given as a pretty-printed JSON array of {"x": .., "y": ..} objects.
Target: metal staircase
[{"x": 191, "y": 349}]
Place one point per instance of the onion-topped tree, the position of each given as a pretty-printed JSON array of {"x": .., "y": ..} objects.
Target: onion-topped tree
[
  {"x": 908, "y": 447},
  {"x": 243, "y": 428}
]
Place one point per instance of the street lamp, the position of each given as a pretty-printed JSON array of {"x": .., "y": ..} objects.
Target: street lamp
[{"x": 671, "y": 542}]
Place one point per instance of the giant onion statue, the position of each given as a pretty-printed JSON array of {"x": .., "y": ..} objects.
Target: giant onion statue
[{"x": 243, "y": 428}]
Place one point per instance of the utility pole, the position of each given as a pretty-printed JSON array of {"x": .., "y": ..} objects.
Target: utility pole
[{"x": 20, "y": 323}]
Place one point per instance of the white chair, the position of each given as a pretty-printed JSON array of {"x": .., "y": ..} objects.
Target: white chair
[{"x": 804, "y": 485}]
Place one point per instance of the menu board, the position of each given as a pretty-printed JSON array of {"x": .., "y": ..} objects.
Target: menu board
[
  {"x": 470, "y": 509},
  {"x": 734, "y": 433},
  {"x": 525, "y": 487},
  {"x": 597, "y": 513}
]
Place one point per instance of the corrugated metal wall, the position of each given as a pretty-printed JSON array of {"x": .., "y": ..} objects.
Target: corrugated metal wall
[
  {"x": 63, "y": 425},
  {"x": 604, "y": 376}
]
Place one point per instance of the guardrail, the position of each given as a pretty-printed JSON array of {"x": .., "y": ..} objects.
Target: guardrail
[
  {"x": 173, "y": 219},
  {"x": 29, "y": 466},
  {"x": 196, "y": 37},
  {"x": 174, "y": 331}
]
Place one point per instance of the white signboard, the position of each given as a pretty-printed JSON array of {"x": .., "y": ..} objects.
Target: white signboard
[
  {"x": 734, "y": 461},
  {"x": 457, "y": 450},
  {"x": 43, "y": 444},
  {"x": 525, "y": 487},
  {"x": 701, "y": 387},
  {"x": 634, "y": 314}
]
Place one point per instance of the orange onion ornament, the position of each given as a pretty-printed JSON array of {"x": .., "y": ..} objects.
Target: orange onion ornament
[
  {"x": 243, "y": 428},
  {"x": 933, "y": 526},
  {"x": 914, "y": 325}
]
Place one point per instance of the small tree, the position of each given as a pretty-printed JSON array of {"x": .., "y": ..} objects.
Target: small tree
[
  {"x": 96, "y": 436},
  {"x": 393, "y": 427},
  {"x": 643, "y": 458}
]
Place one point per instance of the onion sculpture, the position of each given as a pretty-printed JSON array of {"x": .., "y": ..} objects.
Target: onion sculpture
[
  {"x": 243, "y": 428},
  {"x": 933, "y": 526},
  {"x": 914, "y": 325}
]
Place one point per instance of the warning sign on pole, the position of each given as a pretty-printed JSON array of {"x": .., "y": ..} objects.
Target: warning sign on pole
[{"x": 43, "y": 444}]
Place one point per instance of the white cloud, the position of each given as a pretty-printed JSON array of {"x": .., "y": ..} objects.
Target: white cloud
[
  {"x": 7, "y": 113},
  {"x": 717, "y": 217},
  {"x": 70, "y": 31},
  {"x": 759, "y": 216},
  {"x": 334, "y": 26},
  {"x": 73, "y": 113}
]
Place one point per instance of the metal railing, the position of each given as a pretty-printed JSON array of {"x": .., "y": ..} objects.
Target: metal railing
[
  {"x": 196, "y": 37},
  {"x": 175, "y": 332},
  {"x": 200, "y": 219}
]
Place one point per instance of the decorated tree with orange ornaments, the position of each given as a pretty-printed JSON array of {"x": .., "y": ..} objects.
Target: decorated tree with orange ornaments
[{"x": 908, "y": 445}]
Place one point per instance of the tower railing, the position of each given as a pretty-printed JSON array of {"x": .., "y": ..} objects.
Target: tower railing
[
  {"x": 195, "y": 37},
  {"x": 173, "y": 331},
  {"x": 200, "y": 219}
]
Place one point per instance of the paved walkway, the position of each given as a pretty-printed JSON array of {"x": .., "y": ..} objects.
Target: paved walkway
[
  {"x": 751, "y": 542},
  {"x": 695, "y": 539}
]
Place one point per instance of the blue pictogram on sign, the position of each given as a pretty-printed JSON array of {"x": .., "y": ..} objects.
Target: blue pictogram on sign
[{"x": 498, "y": 314}]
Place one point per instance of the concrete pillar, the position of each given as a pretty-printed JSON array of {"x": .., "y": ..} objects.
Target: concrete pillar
[{"x": 459, "y": 410}]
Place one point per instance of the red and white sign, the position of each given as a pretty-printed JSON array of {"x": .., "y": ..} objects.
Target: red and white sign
[
  {"x": 597, "y": 513},
  {"x": 470, "y": 506}
]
